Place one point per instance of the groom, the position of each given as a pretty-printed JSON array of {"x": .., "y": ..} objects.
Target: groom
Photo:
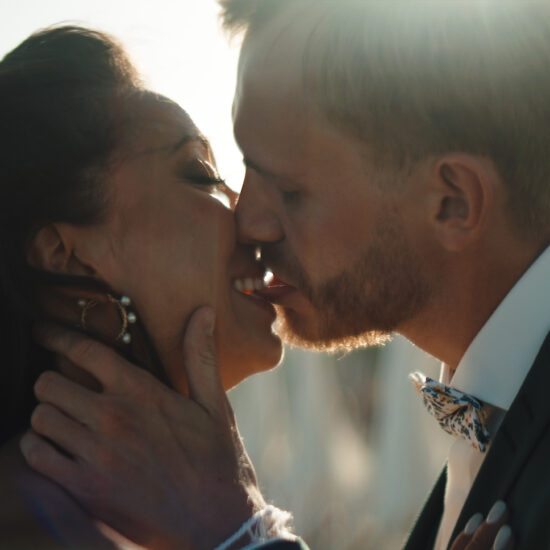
[{"x": 397, "y": 180}]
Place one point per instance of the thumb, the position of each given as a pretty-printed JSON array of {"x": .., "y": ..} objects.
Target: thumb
[{"x": 200, "y": 361}]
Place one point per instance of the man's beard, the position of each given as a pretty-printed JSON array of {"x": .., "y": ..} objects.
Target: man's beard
[{"x": 362, "y": 305}]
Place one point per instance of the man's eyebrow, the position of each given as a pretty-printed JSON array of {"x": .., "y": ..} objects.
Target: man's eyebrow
[
  {"x": 251, "y": 164},
  {"x": 269, "y": 174}
]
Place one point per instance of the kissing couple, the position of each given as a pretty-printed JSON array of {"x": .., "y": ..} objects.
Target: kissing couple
[{"x": 396, "y": 181}]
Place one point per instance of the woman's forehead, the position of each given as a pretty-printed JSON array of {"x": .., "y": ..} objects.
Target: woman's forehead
[{"x": 160, "y": 124}]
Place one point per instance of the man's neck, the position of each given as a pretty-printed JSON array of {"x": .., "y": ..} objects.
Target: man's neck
[{"x": 447, "y": 327}]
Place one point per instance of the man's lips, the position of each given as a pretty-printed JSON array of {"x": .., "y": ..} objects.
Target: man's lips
[
  {"x": 275, "y": 289},
  {"x": 263, "y": 285}
]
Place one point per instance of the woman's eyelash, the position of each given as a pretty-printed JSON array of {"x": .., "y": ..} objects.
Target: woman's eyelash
[{"x": 205, "y": 180}]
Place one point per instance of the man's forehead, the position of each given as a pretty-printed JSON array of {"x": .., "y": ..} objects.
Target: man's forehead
[
  {"x": 276, "y": 51},
  {"x": 276, "y": 119}
]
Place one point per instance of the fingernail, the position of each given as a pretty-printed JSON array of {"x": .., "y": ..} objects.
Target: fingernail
[
  {"x": 473, "y": 523},
  {"x": 210, "y": 322},
  {"x": 502, "y": 540},
  {"x": 26, "y": 443},
  {"x": 496, "y": 512}
]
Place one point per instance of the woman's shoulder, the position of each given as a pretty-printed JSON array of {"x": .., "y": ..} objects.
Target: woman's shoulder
[{"x": 37, "y": 513}]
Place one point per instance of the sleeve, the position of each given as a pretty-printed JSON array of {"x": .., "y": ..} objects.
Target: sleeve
[{"x": 280, "y": 544}]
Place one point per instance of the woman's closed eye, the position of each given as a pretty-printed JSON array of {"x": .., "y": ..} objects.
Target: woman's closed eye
[
  {"x": 205, "y": 179},
  {"x": 214, "y": 186},
  {"x": 204, "y": 174}
]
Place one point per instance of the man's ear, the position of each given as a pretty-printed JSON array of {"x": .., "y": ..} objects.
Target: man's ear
[
  {"x": 53, "y": 249},
  {"x": 465, "y": 193}
]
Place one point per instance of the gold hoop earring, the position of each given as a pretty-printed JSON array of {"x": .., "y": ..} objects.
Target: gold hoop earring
[{"x": 126, "y": 317}]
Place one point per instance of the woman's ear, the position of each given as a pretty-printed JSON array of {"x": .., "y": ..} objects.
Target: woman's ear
[
  {"x": 53, "y": 249},
  {"x": 465, "y": 195}
]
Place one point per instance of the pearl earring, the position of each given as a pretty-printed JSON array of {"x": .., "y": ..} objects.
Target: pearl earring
[{"x": 126, "y": 317}]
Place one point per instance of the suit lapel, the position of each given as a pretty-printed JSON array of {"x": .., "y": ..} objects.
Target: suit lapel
[
  {"x": 425, "y": 529},
  {"x": 517, "y": 437}
]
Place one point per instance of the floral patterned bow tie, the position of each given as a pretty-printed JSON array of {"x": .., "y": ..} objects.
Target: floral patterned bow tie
[{"x": 458, "y": 413}]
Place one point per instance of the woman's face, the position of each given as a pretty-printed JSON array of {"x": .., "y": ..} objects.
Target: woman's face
[{"x": 169, "y": 244}]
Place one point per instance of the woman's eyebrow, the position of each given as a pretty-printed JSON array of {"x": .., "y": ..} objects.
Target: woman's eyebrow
[
  {"x": 173, "y": 148},
  {"x": 186, "y": 139}
]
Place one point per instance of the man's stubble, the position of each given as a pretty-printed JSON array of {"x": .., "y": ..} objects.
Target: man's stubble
[{"x": 363, "y": 304}]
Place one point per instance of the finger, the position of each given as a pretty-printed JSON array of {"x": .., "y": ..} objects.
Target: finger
[
  {"x": 46, "y": 460},
  {"x": 76, "y": 374},
  {"x": 72, "y": 399},
  {"x": 65, "y": 432},
  {"x": 201, "y": 364},
  {"x": 485, "y": 535},
  {"x": 100, "y": 360},
  {"x": 465, "y": 537},
  {"x": 504, "y": 539}
]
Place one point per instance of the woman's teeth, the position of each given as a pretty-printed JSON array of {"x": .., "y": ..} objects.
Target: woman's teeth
[{"x": 248, "y": 285}]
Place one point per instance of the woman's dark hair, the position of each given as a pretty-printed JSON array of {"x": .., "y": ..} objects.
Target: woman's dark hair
[{"x": 60, "y": 96}]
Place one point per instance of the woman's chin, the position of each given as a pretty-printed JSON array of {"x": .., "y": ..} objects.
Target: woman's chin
[{"x": 236, "y": 369}]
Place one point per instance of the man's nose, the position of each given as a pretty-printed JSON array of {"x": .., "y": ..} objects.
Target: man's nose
[{"x": 257, "y": 219}]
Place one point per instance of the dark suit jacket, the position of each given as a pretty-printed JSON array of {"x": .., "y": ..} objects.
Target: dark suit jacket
[{"x": 516, "y": 470}]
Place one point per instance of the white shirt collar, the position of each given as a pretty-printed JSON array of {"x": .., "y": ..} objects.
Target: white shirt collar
[{"x": 500, "y": 356}]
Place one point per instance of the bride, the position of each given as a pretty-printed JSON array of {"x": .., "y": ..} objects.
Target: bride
[{"x": 115, "y": 220}]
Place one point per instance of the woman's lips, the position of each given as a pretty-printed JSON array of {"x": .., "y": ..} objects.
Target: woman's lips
[{"x": 249, "y": 287}]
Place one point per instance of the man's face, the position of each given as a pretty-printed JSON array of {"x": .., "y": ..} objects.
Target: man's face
[{"x": 338, "y": 243}]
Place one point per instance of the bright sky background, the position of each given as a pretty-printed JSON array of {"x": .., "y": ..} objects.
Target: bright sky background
[{"x": 177, "y": 45}]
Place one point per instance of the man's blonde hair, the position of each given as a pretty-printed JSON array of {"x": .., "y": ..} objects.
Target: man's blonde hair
[{"x": 418, "y": 78}]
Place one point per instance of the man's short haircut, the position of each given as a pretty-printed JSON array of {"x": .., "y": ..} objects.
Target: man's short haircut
[{"x": 420, "y": 78}]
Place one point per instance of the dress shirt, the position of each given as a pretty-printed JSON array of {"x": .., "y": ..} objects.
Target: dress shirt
[{"x": 493, "y": 370}]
